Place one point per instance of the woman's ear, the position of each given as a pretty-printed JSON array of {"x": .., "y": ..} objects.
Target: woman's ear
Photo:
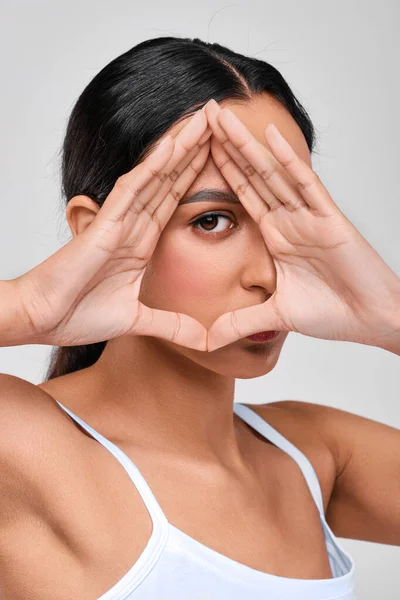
[{"x": 80, "y": 212}]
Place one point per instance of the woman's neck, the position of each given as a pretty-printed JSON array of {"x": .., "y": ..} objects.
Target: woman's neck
[{"x": 144, "y": 389}]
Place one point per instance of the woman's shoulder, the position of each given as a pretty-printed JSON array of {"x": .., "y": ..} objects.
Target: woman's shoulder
[
  {"x": 25, "y": 410},
  {"x": 34, "y": 430},
  {"x": 22, "y": 404},
  {"x": 297, "y": 421},
  {"x": 294, "y": 419}
]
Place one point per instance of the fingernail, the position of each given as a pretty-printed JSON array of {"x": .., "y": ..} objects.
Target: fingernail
[
  {"x": 211, "y": 102},
  {"x": 271, "y": 127},
  {"x": 164, "y": 140}
]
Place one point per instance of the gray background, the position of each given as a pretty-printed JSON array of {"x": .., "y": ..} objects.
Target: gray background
[{"x": 342, "y": 61}]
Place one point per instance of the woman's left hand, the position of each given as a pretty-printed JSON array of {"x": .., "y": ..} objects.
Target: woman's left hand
[{"x": 331, "y": 283}]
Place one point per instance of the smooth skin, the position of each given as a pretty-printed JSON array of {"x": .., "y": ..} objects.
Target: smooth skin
[
  {"x": 104, "y": 265},
  {"x": 165, "y": 400},
  {"x": 313, "y": 245}
]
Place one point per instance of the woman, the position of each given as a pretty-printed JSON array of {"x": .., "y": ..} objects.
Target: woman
[{"x": 129, "y": 473}]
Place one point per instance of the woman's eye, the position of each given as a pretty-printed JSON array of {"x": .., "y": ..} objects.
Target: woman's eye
[{"x": 209, "y": 222}]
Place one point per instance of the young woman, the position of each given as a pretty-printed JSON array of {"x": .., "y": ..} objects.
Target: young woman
[{"x": 129, "y": 473}]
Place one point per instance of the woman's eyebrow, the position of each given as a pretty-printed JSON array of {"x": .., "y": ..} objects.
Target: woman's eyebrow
[{"x": 211, "y": 195}]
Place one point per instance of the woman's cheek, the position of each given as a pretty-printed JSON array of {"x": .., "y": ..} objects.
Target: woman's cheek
[
  {"x": 189, "y": 280},
  {"x": 187, "y": 277}
]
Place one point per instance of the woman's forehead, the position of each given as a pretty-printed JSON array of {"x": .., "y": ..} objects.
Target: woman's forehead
[{"x": 256, "y": 115}]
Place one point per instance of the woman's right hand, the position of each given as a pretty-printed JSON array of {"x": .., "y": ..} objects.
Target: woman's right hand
[{"x": 88, "y": 290}]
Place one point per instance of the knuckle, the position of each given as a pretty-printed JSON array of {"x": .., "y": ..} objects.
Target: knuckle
[
  {"x": 174, "y": 175},
  {"x": 234, "y": 324},
  {"x": 124, "y": 182},
  {"x": 223, "y": 164},
  {"x": 247, "y": 141},
  {"x": 177, "y": 328},
  {"x": 134, "y": 210},
  {"x": 177, "y": 195},
  {"x": 249, "y": 170},
  {"x": 241, "y": 189},
  {"x": 267, "y": 173},
  {"x": 162, "y": 175},
  {"x": 197, "y": 165},
  {"x": 263, "y": 214},
  {"x": 158, "y": 223},
  {"x": 312, "y": 179}
]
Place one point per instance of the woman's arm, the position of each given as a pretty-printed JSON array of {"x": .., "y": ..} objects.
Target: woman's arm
[
  {"x": 15, "y": 329},
  {"x": 88, "y": 290},
  {"x": 392, "y": 343},
  {"x": 365, "y": 501}
]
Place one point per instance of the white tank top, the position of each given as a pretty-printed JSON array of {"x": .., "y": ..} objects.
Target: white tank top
[{"x": 175, "y": 566}]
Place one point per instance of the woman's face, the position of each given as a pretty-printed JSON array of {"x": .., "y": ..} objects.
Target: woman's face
[{"x": 206, "y": 265}]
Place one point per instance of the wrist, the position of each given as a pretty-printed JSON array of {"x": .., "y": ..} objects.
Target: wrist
[
  {"x": 392, "y": 344},
  {"x": 391, "y": 341},
  {"x": 15, "y": 329}
]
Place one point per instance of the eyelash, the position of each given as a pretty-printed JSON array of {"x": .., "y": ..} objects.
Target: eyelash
[{"x": 203, "y": 217}]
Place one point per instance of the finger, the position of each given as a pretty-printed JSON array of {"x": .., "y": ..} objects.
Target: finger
[
  {"x": 186, "y": 147},
  {"x": 187, "y": 143},
  {"x": 267, "y": 199},
  {"x": 235, "y": 325},
  {"x": 254, "y": 205},
  {"x": 148, "y": 229},
  {"x": 257, "y": 182},
  {"x": 263, "y": 161},
  {"x": 141, "y": 201},
  {"x": 207, "y": 134},
  {"x": 133, "y": 190},
  {"x": 178, "y": 328},
  {"x": 309, "y": 184},
  {"x": 82, "y": 258},
  {"x": 182, "y": 184},
  {"x": 97, "y": 242},
  {"x": 186, "y": 140},
  {"x": 130, "y": 185},
  {"x": 157, "y": 206}
]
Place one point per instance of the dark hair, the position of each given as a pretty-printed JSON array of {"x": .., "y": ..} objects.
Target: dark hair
[{"x": 132, "y": 102}]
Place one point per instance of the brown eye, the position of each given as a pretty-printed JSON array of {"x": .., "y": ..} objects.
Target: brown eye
[{"x": 208, "y": 223}]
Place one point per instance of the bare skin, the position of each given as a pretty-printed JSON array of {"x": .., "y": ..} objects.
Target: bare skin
[
  {"x": 169, "y": 408},
  {"x": 54, "y": 551},
  {"x": 214, "y": 273}
]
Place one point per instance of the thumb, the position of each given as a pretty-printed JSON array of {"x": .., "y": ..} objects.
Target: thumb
[
  {"x": 237, "y": 324},
  {"x": 178, "y": 328}
]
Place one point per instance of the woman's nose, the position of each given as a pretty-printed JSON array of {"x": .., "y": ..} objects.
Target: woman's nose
[{"x": 258, "y": 267}]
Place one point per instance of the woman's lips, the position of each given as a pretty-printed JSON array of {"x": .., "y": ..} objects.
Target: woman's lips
[{"x": 263, "y": 336}]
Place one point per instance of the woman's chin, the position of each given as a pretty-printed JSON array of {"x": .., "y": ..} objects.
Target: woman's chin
[
  {"x": 245, "y": 371},
  {"x": 241, "y": 360}
]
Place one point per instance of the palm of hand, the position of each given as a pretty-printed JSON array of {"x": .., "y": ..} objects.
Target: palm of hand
[
  {"x": 327, "y": 273},
  {"x": 316, "y": 279},
  {"x": 88, "y": 291}
]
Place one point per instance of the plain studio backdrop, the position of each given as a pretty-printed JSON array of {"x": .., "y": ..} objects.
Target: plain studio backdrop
[{"x": 340, "y": 58}]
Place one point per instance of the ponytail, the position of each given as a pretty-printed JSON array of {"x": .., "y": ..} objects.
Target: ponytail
[{"x": 66, "y": 359}]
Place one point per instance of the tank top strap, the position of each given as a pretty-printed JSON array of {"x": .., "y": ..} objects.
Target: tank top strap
[
  {"x": 157, "y": 515},
  {"x": 259, "y": 424}
]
